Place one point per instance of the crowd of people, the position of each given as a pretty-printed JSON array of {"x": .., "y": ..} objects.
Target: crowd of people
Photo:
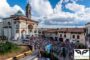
[{"x": 59, "y": 48}]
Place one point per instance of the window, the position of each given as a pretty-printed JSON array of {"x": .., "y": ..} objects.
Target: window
[
  {"x": 30, "y": 27},
  {"x": 39, "y": 32},
  {"x": 78, "y": 37},
  {"x": 56, "y": 32},
  {"x": 9, "y": 23},
  {"x": 30, "y": 30},
  {"x": 17, "y": 26},
  {"x": 60, "y": 35},
  {"x": 14, "y": 22},
  {"x": 35, "y": 31},
  {"x": 65, "y": 35},
  {"x": 73, "y": 36}
]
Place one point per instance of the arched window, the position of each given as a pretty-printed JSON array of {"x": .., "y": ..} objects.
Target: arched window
[
  {"x": 30, "y": 27},
  {"x": 35, "y": 31},
  {"x": 60, "y": 35},
  {"x": 73, "y": 36},
  {"x": 65, "y": 35},
  {"x": 78, "y": 37}
]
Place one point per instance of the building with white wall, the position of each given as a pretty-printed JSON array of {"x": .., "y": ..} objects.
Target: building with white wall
[
  {"x": 67, "y": 33},
  {"x": 18, "y": 26}
]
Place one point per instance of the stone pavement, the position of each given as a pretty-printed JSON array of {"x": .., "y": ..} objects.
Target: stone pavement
[
  {"x": 34, "y": 57},
  {"x": 41, "y": 58},
  {"x": 31, "y": 57}
]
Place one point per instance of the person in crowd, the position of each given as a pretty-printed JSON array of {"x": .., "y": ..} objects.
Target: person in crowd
[{"x": 64, "y": 53}]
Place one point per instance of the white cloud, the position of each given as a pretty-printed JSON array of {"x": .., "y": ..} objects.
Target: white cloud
[
  {"x": 75, "y": 7},
  {"x": 81, "y": 13},
  {"x": 57, "y": 15},
  {"x": 59, "y": 26},
  {"x": 59, "y": 6},
  {"x": 41, "y": 7},
  {"x": 6, "y": 10}
]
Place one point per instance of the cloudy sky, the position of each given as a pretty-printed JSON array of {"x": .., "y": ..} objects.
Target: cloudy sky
[{"x": 51, "y": 13}]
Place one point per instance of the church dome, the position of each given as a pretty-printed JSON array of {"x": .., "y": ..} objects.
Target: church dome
[{"x": 19, "y": 13}]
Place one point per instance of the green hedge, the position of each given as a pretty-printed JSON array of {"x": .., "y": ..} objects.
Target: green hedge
[{"x": 8, "y": 47}]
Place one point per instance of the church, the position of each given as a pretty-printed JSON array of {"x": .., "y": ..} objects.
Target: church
[{"x": 18, "y": 26}]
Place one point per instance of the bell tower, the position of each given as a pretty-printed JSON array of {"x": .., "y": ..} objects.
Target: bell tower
[{"x": 28, "y": 10}]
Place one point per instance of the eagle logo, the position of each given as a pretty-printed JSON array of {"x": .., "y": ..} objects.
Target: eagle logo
[{"x": 81, "y": 52}]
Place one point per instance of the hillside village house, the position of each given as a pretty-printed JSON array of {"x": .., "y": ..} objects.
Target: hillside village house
[
  {"x": 17, "y": 27},
  {"x": 71, "y": 34}
]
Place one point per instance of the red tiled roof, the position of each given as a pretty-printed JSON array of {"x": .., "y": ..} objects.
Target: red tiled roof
[
  {"x": 24, "y": 18},
  {"x": 21, "y": 18},
  {"x": 69, "y": 30},
  {"x": 50, "y": 30}
]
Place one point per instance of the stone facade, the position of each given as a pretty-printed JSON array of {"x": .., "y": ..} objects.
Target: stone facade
[
  {"x": 67, "y": 33},
  {"x": 17, "y": 27}
]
